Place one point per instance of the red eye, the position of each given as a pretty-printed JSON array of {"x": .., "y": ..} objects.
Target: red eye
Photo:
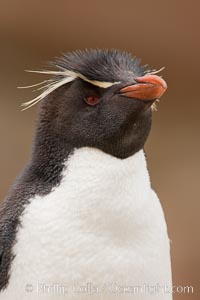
[{"x": 92, "y": 100}]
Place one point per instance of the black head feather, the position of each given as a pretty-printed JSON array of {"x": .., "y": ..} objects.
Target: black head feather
[{"x": 102, "y": 65}]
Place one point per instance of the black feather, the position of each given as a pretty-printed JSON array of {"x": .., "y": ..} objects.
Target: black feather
[{"x": 102, "y": 65}]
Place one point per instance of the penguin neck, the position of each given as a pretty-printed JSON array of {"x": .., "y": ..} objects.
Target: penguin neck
[
  {"x": 91, "y": 166},
  {"x": 51, "y": 150}
]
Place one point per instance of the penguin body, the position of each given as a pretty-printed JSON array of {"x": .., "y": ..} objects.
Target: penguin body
[{"x": 83, "y": 211}]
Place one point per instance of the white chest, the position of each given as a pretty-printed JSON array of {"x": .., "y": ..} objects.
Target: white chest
[{"x": 103, "y": 225}]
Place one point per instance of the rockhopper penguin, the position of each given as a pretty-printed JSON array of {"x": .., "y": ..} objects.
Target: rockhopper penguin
[{"x": 82, "y": 221}]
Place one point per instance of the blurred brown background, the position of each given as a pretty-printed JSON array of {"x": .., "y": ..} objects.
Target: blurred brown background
[{"x": 162, "y": 33}]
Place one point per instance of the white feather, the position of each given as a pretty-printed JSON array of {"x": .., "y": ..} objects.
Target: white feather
[
  {"x": 53, "y": 84},
  {"x": 152, "y": 72},
  {"x": 49, "y": 90},
  {"x": 33, "y": 85}
]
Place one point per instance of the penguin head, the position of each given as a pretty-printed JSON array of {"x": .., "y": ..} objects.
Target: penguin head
[{"x": 101, "y": 99}]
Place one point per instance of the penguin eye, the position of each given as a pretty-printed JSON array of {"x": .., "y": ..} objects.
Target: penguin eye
[{"x": 92, "y": 100}]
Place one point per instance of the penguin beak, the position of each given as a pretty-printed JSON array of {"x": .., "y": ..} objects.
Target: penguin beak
[{"x": 146, "y": 88}]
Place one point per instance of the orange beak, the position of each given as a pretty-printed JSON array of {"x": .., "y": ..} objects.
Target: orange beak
[{"x": 146, "y": 88}]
